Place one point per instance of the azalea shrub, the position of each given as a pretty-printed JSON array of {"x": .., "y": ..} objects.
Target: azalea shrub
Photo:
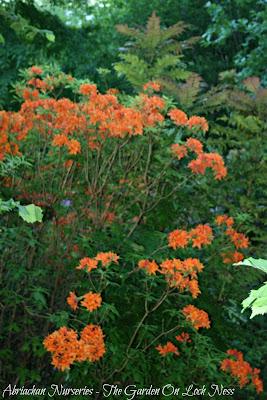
[{"x": 126, "y": 278}]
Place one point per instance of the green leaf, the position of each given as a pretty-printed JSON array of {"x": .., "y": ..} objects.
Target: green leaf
[
  {"x": 257, "y": 301},
  {"x": 50, "y": 36},
  {"x": 39, "y": 298},
  {"x": 60, "y": 318},
  {"x": 258, "y": 263},
  {"x": 258, "y": 311},
  {"x": 7, "y": 205},
  {"x": 30, "y": 213},
  {"x": 2, "y": 39}
]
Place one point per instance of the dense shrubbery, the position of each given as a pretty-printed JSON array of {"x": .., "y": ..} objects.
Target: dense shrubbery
[
  {"x": 121, "y": 180},
  {"x": 149, "y": 195}
]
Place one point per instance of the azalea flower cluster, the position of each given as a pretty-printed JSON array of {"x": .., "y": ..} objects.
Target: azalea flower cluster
[
  {"x": 40, "y": 82},
  {"x": 203, "y": 161},
  {"x": 239, "y": 240},
  {"x": 152, "y": 86},
  {"x": 182, "y": 274},
  {"x": 199, "y": 236},
  {"x": 13, "y": 128},
  {"x": 69, "y": 124},
  {"x": 67, "y": 348},
  {"x": 64, "y": 344},
  {"x": 170, "y": 347},
  {"x": 198, "y": 318},
  {"x": 91, "y": 121},
  {"x": 242, "y": 370},
  {"x": 102, "y": 258},
  {"x": 180, "y": 118},
  {"x": 179, "y": 274},
  {"x": 91, "y": 301}
]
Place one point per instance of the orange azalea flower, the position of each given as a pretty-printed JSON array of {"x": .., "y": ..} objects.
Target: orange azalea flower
[
  {"x": 209, "y": 160},
  {"x": 151, "y": 267},
  {"x": 178, "y": 238},
  {"x": 57, "y": 338},
  {"x": 199, "y": 122},
  {"x": 38, "y": 83},
  {"x": 229, "y": 221},
  {"x": 113, "y": 91},
  {"x": 168, "y": 348},
  {"x": 152, "y": 85},
  {"x": 92, "y": 346},
  {"x": 194, "y": 288},
  {"x": 201, "y": 235},
  {"x": 194, "y": 145},
  {"x": 63, "y": 344},
  {"x": 231, "y": 258},
  {"x": 178, "y": 116},
  {"x": 88, "y": 89},
  {"x": 197, "y": 317},
  {"x": 107, "y": 258},
  {"x": 184, "y": 337},
  {"x": 168, "y": 267},
  {"x": 216, "y": 163},
  {"x": 239, "y": 239},
  {"x": 36, "y": 70},
  {"x": 150, "y": 107},
  {"x": 92, "y": 301},
  {"x": 62, "y": 361},
  {"x": 30, "y": 94},
  {"x": 66, "y": 348},
  {"x": 256, "y": 381},
  {"x": 95, "y": 120},
  {"x": 88, "y": 264},
  {"x": 179, "y": 151},
  {"x": 73, "y": 146},
  {"x": 59, "y": 140},
  {"x": 242, "y": 370},
  {"x": 193, "y": 264},
  {"x": 182, "y": 274},
  {"x": 72, "y": 301},
  {"x": 224, "y": 219}
]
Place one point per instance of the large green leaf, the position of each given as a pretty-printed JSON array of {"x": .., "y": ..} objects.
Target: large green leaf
[
  {"x": 257, "y": 301},
  {"x": 30, "y": 213},
  {"x": 258, "y": 263}
]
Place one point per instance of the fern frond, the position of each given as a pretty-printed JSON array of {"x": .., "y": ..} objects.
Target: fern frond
[
  {"x": 252, "y": 84},
  {"x": 170, "y": 47},
  {"x": 153, "y": 25},
  {"x": 127, "y": 31},
  {"x": 165, "y": 62},
  {"x": 135, "y": 69},
  {"x": 189, "y": 90},
  {"x": 189, "y": 43},
  {"x": 174, "y": 31},
  {"x": 155, "y": 53}
]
